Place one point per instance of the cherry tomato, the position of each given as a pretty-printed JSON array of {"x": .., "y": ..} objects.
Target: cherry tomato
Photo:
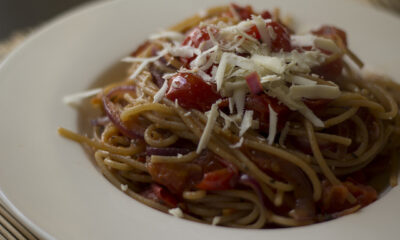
[
  {"x": 177, "y": 177},
  {"x": 332, "y": 32},
  {"x": 221, "y": 179},
  {"x": 192, "y": 92},
  {"x": 266, "y": 15},
  {"x": 196, "y": 37},
  {"x": 281, "y": 40},
  {"x": 259, "y": 104},
  {"x": 244, "y": 12},
  {"x": 164, "y": 195},
  {"x": 329, "y": 71}
]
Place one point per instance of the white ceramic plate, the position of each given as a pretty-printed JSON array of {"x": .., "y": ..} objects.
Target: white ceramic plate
[{"x": 53, "y": 187}]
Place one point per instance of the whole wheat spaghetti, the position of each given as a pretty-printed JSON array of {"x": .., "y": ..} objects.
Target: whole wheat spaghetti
[{"x": 233, "y": 119}]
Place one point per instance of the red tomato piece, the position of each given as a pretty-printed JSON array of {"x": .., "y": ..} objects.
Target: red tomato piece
[
  {"x": 221, "y": 179},
  {"x": 329, "y": 71},
  {"x": 177, "y": 177},
  {"x": 316, "y": 104},
  {"x": 196, "y": 37},
  {"x": 192, "y": 92},
  {"x": 331, "y": 32},
  {"x": 164, "y": 195},
  {"x": 281, "y": 40},
  {"x": 266, "y": 15},
  {"x": 244, "y": 12},
  {"x": 259, "y": 104},
  {"x": 334, "y": 196}
]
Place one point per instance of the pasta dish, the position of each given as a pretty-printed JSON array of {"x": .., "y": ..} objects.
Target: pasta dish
[{"x": 232, "y": 118}]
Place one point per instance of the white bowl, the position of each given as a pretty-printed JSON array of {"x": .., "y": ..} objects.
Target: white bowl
[{"x": 50, "y": 184}]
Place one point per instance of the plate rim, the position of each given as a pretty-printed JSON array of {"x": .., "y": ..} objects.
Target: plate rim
[{"x": 48, "y": 26}]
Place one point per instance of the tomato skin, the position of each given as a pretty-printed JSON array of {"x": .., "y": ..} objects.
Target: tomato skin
[
  {"x": 266, "y": 15},
  {"x": 196, "y": 37},
  {"x": 192, "y": 92},
  {"x": 334, "y": 196},
  {"x": 331, "y": 32},
  {"x": 222, "y": 179},
  {"x": 282, "y": 39},
  {"x": 259, "y": 104},
  {"x": 244, "y": 12},
  {"x": 164, "y": 195},
  {"x": 330, "y": 71},
  {"x": 176, "y": 177}
]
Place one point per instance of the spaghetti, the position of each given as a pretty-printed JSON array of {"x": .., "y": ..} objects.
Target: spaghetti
[{"x": 232, "y": 119}]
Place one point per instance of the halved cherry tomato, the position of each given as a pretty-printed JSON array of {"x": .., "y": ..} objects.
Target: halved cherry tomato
[
  {"x": 164, "y": 195},
  {"x": 259, "y": 104},
  {"x": 244, "y": 12},
  {"x": 331, "y": 32},
  {"x": 177, "y": 177},
  {"x": 192, "y": 92},
  {"x": 266, "y": 15},
  {"x": 329, "y": 71},
  {"x": 221, "y": 179},
  {"x": 281, "y": 40}
]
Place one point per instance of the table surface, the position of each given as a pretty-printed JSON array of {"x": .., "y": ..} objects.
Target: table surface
[{"x": 20, "y": 15}]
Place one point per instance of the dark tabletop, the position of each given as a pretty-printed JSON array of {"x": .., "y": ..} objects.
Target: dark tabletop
[{"x": 16, "y": 15}]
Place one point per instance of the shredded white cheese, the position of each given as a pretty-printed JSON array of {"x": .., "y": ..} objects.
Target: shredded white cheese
[
  {"x": 216, "y": 220},
  {"x": 206, "y": 135},
  {"x": 176, "y": 212},
  {"x": 274, "y": 64},
  {"x": 262, "y": 30},
  {"x": 161, "y": 93},
  {"x": 177, "y": 36},
  {"x": 238, "y": 144},
  {"x": 273, "y": 122},
  {"x": 187, "y": 114},
  {"x": 124, "y": 187},
  {"x": 246, "y": 122},
  {"x": 77, "y": 97}
]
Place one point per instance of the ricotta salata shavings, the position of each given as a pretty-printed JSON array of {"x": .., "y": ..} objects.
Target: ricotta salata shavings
[
  {"x": 273, "y": 123},
  {"x": 246, "y": 122},
  {"x": 77, "y": 97},
  {"x": 177, "y": 36},
  {"x": 176, "y": 212},
  {"x": 161, "y": 93},
  {"x": 206, "y": 135},
  {"x": 238, "y": 144}
]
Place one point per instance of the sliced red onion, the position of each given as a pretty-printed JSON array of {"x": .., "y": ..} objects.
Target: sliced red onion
[
  {"x": 254, "y": 83},
  {"x": 135, "y": 131},
  {"x": 157, "y": 76},
  {"x": 168, "y": 151},
  {"x": 252, "y": 183}
]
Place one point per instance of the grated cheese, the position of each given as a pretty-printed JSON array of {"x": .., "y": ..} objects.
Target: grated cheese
[
  {"x": 206, "y": 135},
  {"x": 176, "y": 212},
  {"x": 216, "y": 220},
  {"x": 239, "y": 96},
  {"x": 327, "y": 44},
  {"x": 246, "y": 122},
  {"x": 77, "y": 97},
  {"x": 301, "y": 80},
  {"x": 274, "y": 64},
  {"x": 262, "y": 30},
  {"x": 273, "y": 122},
  {"x": 161, "y": 93},
  {"x": 238, "y": 144},
  {"x": 177, "y": 36},
  {"x": 124, "y": 187}
]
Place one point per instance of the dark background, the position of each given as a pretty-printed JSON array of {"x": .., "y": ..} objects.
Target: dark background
[{"x": 18, "y": 15}]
